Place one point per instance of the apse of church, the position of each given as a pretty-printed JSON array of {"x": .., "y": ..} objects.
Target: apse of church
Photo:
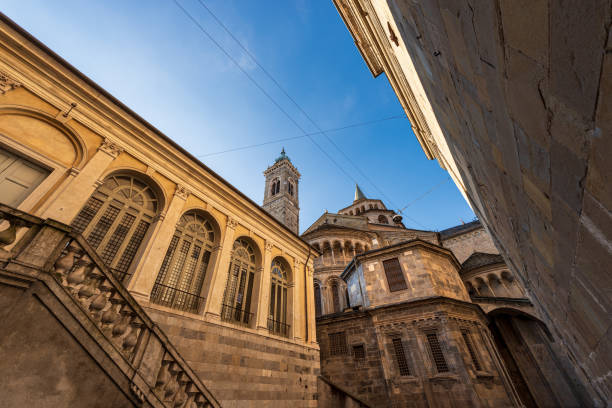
[
  {"x": 230, "y": 284},
  {"x": 418, "y": 318}
]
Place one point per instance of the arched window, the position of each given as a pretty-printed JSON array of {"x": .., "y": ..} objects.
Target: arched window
[
  {"x": 317, "y": 296},
  {"x": 357, "y": 211},
  {"x": 275, "y": 186},
  {"x": 290, "y": 188},
  {"x": 277, "y": 319},
  {"x": 239, "y": 286},
  {"x": 381, "y": 219},
  {"x": 115, "y": 220},
  {"x": 336, "y": 297},
  {"x": 180, "y": 278}
]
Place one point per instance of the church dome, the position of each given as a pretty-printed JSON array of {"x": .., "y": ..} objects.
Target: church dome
[{"x": 282, "y": 156}]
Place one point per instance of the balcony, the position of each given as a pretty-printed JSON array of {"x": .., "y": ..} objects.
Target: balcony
[
  {"x": 176, "y": 299},
  {"x": 74, "y": 328}
]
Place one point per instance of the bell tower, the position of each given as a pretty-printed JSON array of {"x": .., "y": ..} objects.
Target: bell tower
[{"x": 281, "y": 195}]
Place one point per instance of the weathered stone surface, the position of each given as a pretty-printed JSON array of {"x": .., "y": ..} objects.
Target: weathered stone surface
[{"x": 542, "y": 163}]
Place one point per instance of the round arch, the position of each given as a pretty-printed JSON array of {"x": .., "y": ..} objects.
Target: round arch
[{"x": 74, "y": 139}]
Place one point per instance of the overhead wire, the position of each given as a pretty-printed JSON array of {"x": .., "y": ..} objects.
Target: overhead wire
[
  {"x": 210, "y": 37},
  {"x": 297, "y": 105},
  {"x": 275, "y": 103},
  {"x": 354, "y": 125}
]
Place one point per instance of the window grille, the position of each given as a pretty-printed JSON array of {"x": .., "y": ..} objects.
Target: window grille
[
  {"x": 317, "y": 294},
  {"x": 115, "y": 220},
  {"x": 359, "y": 353},
  {"x": 395, "y": 275},
  {"x": 337, "y": 344},
  {"x": 400, "y": 357},
  {"x": 102, "y": 227},
  {"x": 87, "y": 214},
  {"x": 130, "y": 250},
  {"x": 336, "y": 297},
  {"x": 237, "y": 303},
  {"x": 180, "y": 278},
  {"x": 436, "y": 352},
  {"x": 470, "y": 347}
]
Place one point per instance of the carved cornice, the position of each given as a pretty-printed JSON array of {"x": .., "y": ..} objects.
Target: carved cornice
[
  {"x": 182, "y": 192},
  {"x": 110, "y": 147},
  {"x": 7, "y": 84}
]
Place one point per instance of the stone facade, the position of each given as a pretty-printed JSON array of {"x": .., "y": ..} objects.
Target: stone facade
[
  {"x": 513, "y": 99},
  {"x": 195, "y": 252},
  {"x": 407, "y": 347},
  {"x": 361, "y": 301}
]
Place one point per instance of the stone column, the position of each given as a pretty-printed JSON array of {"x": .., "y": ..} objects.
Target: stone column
[
  {"x": 67, "y": 205},
  {"x": 297, "y": 306},
  {"x": 312, "y": 323},
  {"x": 264, "y": 289},
  {"x": 214, "y": 299},
  {"x": 152, "y": 254}
]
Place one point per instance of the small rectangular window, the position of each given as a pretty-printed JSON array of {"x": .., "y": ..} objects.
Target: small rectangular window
[
  {"x": 400, "y": 357},
  {"x": 359, "y": 352},
  {"x": 470, "y": 347},
  {"x": 337, "y": 344},
  {"x": 436, "y": 352},
  {"x": 395, "y": 275}
]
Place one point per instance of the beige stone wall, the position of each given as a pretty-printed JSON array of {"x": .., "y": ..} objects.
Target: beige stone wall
[
  {"x": 83, "y": 145},
  {"x": 465, "y": 244},
  {"x": 427, "y": 274}
]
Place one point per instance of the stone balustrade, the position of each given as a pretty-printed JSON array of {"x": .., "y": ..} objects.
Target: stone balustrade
[{"x": 49, "y": 251}]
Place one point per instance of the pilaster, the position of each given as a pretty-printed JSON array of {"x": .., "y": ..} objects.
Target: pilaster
[
  {"x": 82, "y": 184},
  {"x": 264, "y": 288}
]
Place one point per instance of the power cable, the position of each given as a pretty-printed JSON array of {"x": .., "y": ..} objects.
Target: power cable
[
  {"x": 297, "y": 105},
  {"x": 203, "y": 30},
  {"x": 424, "y": 194},
  {"x": 209, "y": 36},
  {"x": 301, "y": 136}
]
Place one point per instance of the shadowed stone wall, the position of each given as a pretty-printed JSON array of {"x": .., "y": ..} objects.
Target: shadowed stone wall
[{"x": 513, "y": 98}]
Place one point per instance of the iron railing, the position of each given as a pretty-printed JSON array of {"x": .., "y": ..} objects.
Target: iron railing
[
  {"x": 176, "y": 299},
  {"x": 278, "y": 328},
  {"x": 236, "y": 315}
]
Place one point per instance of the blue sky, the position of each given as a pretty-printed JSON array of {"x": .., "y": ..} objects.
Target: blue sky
[{"x": 152, "y": 58}]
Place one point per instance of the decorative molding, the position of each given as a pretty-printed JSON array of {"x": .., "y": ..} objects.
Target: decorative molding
[
  {"x": 98, "y": 183},
  {"x": 110, "y": 147},
  {"x": 269, "y": 246},
  {"x": 7, "y": 84},
  {"x": 232, "y": 222},
  {"x": 182, "y": 192},
  {"x": 73, "y": 172}
]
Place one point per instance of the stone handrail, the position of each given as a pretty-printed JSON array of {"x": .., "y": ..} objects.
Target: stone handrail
[{"x": 159, "y": 374}]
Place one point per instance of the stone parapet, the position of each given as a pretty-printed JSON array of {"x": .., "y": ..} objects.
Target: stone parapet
[{"x": 73, "y": 326}]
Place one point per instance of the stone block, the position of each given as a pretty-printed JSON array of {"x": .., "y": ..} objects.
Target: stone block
[
  {"x": 577, "y": 33},
  {"x": 525, "y": 27},
  {"x": 524, "y": 87}
]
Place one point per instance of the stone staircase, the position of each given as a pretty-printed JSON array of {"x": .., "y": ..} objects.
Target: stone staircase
[{"x": 72, "y": 335}]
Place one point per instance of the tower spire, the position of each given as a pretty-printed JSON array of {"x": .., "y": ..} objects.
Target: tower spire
[{"x": 358, "y": 193}]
